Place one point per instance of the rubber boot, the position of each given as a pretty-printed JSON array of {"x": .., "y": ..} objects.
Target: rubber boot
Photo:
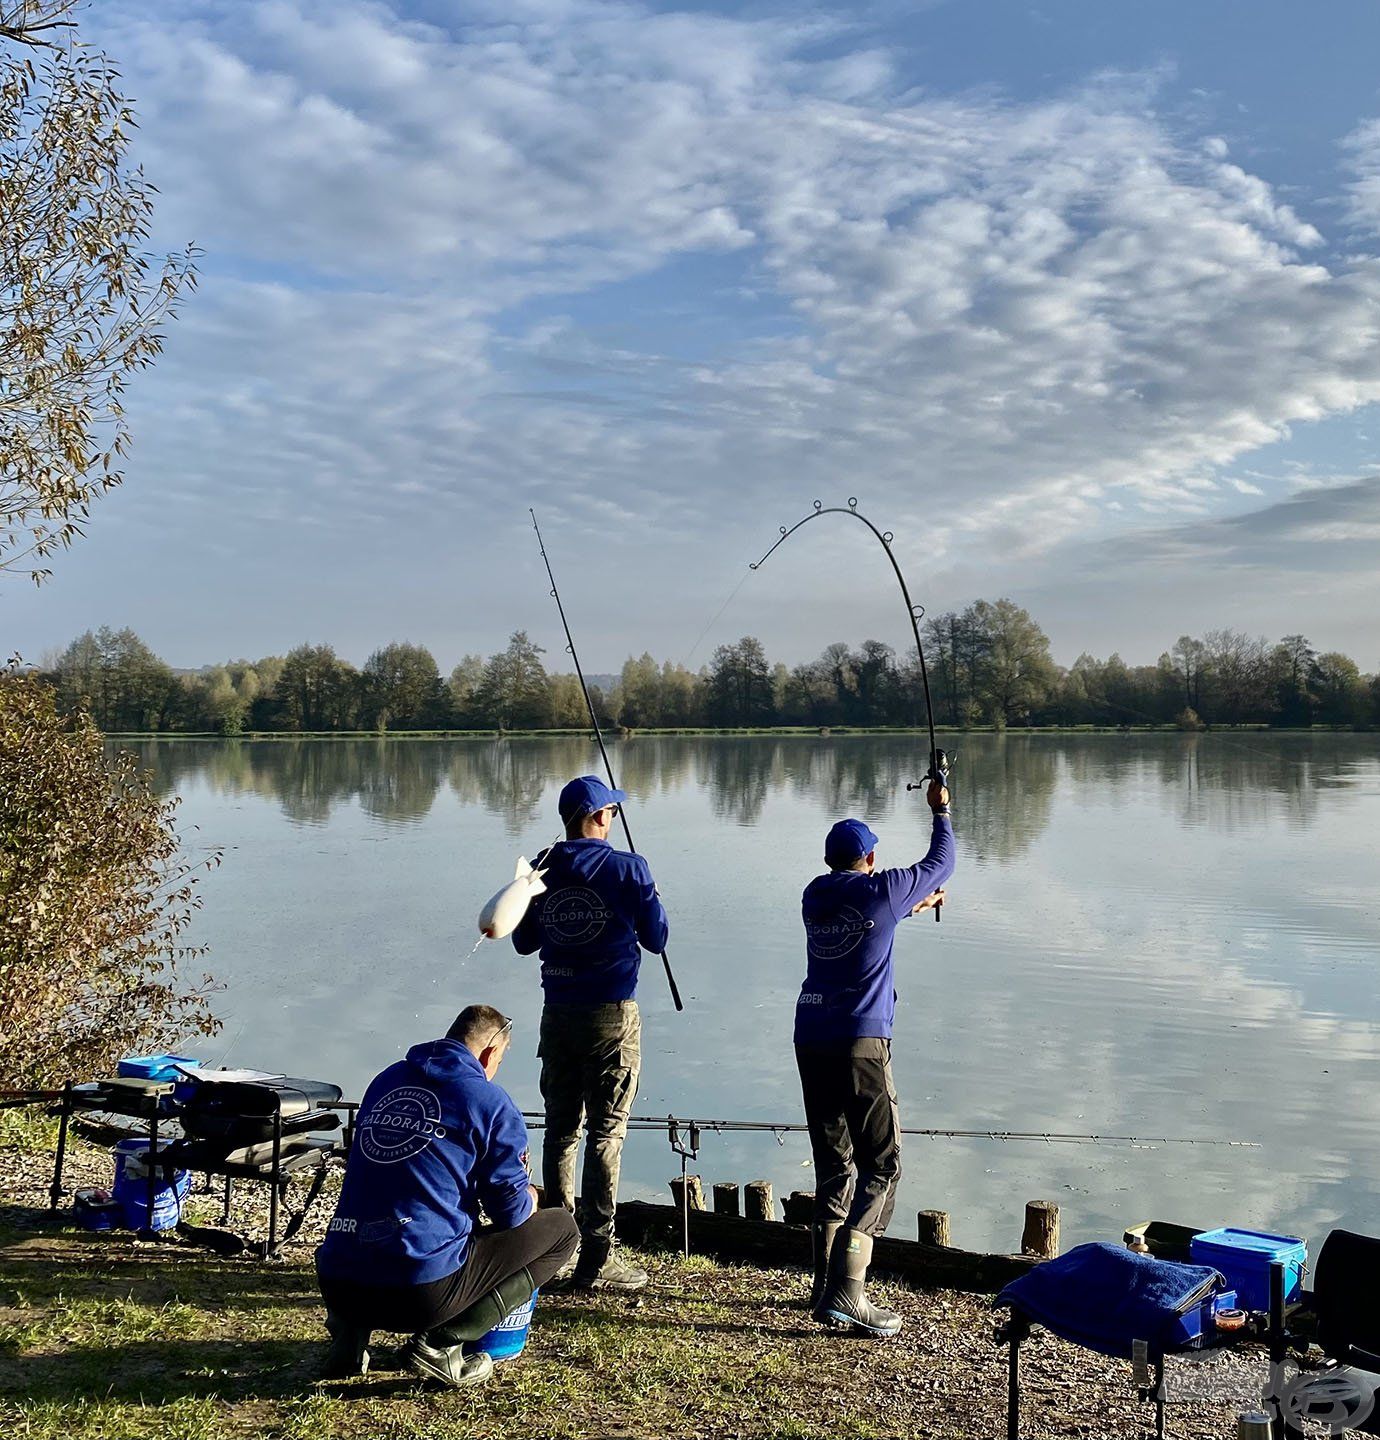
[
  {"x": 822, "y": 1237},
  {"x": 602, "y": 1268},
  {"x": 349, "y": 1350},
  {"x": 440, "y": 1354},
  {"x": 845, "y": 1300}
]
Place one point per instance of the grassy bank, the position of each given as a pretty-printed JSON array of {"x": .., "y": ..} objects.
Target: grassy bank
[{"x": 103, "y": 1336}]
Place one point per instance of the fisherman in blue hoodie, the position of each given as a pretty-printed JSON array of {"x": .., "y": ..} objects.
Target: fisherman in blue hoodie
[
  {"x": 599, "y": 912},
  {"x": 435, "y": 1142},
  {"x": 843, "y": 1022}
]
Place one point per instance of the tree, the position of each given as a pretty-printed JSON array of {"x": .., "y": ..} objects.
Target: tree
[
  {"x": 739, "y": 685},
  {"x": 401, "y": 687},
  {"x": 1341, "y": 690},
  {"x": 639, "y": 692},
  {"x": 513, "y": 693},
  {"x": 94, "y": 897},
  {"x": 1294, "y": 661},
  {"x": 115, "y": 676},
  {"x": 1016, "y": 674},
  {"x": 81, "y": 302},
  {"x": 1236, "y": 675},
  {"x": 316, "y": 690},
  {"x": 463, "y": 684}
]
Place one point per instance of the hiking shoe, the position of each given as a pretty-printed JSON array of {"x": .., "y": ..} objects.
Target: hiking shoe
[
  {"x": 601, "y": 1267},
  {"x": 451, "y": 1365}
]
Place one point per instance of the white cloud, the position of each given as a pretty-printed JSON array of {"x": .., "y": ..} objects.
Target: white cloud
[
  {"x": 1362, "y": 150},
  {"x": 1041, "y": 315}
]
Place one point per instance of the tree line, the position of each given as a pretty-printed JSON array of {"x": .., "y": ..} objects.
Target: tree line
[{"x": 989, "y": 665}]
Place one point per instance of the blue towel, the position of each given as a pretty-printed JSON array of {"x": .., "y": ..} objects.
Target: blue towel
[{"x": 1104, "y": 1296}]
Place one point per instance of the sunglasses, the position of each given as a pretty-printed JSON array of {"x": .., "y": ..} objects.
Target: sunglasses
[{"x": 504, "y": 1029}]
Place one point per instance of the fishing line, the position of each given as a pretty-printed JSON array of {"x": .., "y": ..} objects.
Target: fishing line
[
  {"x": 598, "y": 733},
  {"x": 732, "y": 595},
  {"x": 1048, "y": 1137}
]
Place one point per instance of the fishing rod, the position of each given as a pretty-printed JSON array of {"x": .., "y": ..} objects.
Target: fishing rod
[
  {"x": 1049, "y": 1137},
  {"x": 598, "y": 733},
  {"x": 939, "y": 761}
]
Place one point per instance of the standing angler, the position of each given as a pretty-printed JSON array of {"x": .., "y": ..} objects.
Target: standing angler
[
  {"x": 600, "y": 906},
  {"x": 843, "y": 1023}
]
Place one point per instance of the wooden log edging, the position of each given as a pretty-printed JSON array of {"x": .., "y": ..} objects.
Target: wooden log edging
[{"x": 771, "y": 1243}]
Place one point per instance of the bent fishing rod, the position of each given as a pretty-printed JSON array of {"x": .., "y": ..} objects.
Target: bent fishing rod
[
  {"x": 939, "y": 761},
  {"x": 598, "y": 733},
  {"x": 779, "y": 1128}
]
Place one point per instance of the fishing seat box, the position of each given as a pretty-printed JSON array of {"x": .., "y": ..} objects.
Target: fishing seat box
[
  {"x": 238, "y": 1113},
  {"x": 1244, "y": 1257}
]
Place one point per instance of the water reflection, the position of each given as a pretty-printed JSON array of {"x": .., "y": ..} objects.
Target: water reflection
[{"x": 1007, "y": 781}]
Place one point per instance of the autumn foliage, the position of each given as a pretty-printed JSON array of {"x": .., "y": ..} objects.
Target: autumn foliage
[{"x": 94, "y": 899}]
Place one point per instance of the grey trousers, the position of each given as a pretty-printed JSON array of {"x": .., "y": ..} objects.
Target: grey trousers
[
  {"x": 855, "y": 1131},
  {"x": 591, "y": 1059}
]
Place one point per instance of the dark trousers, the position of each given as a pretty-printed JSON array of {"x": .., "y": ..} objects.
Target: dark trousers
[
  {"x": 543, "y": 1243},
  {"x": 591, "y": 1059},
  {"x": 855, "y": 1131}
]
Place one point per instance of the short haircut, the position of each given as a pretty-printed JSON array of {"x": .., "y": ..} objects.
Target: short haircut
[
  {"x": 478, "y": 1025},
  {"x": 860, "y": 863}
]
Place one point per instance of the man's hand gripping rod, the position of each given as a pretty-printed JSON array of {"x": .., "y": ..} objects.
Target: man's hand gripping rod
[{"x": 939, "y": 770}]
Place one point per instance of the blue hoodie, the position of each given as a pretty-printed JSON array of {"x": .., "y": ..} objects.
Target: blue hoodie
[
  {"x": 850, "y": 922},
  {"x": 435, "y": 1140},
  {"x": 600, "y": 905}
]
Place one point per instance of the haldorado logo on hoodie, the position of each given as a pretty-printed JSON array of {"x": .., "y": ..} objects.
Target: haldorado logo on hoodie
[{"x": 401, "y": 1125}]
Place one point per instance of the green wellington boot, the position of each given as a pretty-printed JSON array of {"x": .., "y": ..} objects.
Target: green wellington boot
[
  {"x": 845, "y": 1300},
  {"x": 822, "y": 1237},
  {"x": 440, "y": 1354}
]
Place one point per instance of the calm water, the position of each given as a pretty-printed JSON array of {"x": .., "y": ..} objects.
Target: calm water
[{"x": 1173, "y": 935}]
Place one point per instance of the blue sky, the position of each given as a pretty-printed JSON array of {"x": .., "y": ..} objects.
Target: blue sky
[{"x": 1082, "y": 300}]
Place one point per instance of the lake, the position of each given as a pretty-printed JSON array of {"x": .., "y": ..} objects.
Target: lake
[{"x": 1148, "y": 935}]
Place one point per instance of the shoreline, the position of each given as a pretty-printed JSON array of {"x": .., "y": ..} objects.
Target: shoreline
[{"x": 105, "y": 1337}]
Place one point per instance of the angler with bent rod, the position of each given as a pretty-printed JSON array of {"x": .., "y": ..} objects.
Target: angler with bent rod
[
  {"x": 843, "y": 1023},
  {"x": 599, "y": 912}
]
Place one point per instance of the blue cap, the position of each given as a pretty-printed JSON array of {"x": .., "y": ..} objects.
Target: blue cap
[
  {"x": 586, "y": 794},
  {"x": 847, "y": 841}
]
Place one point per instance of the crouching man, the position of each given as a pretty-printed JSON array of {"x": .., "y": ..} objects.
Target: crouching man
[{"x": 435, "y": 1142}]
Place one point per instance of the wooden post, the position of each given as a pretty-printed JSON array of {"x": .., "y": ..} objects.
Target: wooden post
[
  {"x": 1041, "y": 1234},
  {"x": 799, "y": 1207},
  {"x": 725, "y": 1198},
  {"x": 758, "y": 1204},
  {"x": 693, "y": 1192},
  {"x": 933, "y": 1227}
]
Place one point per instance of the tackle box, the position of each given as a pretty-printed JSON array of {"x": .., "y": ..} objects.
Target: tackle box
[
  {"x": 1244, "y": 1257},
  {"x": 1196, "y": 1327}
]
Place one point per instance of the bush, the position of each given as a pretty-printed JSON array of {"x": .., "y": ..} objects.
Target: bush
[
  {"x": 94, "y": 895},
  {"x": 1187, "y": 719}
]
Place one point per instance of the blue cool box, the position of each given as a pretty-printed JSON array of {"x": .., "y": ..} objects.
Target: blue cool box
[{"x": 1244, "y": 1257}]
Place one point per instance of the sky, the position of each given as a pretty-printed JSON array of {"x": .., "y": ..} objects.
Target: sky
[{"x": 1081, "y": 301}]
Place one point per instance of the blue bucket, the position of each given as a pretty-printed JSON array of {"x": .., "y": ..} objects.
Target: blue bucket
[
  {"x": 131, "y": 1189},
  {"x": 508, "y": 1340}
]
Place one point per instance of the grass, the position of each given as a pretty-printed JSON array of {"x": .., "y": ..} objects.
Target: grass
[{"x": 103, "y": 1337}]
